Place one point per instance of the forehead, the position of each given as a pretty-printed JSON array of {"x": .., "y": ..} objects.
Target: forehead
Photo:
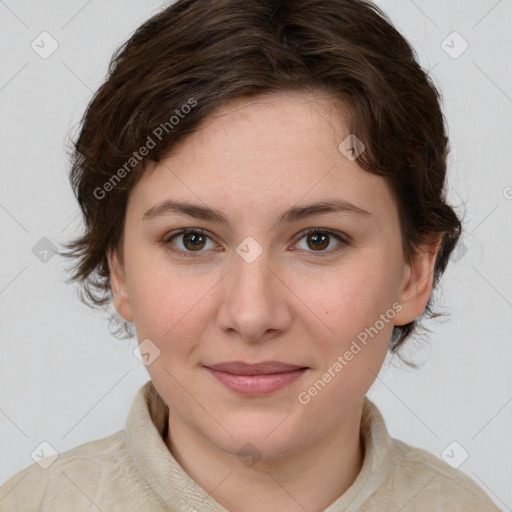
[{"x": 265, "y": 153}]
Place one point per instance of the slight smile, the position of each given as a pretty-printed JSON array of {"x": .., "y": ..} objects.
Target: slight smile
[{"x": 257, "y": 378}]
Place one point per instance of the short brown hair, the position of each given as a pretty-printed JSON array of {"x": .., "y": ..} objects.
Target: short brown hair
[{"x": 208, "y": 52}]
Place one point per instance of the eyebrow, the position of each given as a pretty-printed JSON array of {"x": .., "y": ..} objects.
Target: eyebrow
[{"x": 293, "y": 214}]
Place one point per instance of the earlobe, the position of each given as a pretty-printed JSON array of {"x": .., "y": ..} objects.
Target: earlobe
[
  {"x": 119, "y": 288},
  {"x": 417, "y": 283}
]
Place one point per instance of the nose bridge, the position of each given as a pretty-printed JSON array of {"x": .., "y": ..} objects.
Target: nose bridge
[
  {"x": 251, "y": 280},
  {"x": 253, "y": 300}
]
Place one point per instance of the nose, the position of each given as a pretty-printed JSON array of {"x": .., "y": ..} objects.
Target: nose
[{"x": 255, "y": 302}]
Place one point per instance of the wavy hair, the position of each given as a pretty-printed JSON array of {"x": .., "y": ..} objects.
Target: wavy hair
[{"x": 215, "y": 51}]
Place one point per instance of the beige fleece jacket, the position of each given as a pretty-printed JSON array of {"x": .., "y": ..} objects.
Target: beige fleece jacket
[{"x": 132, "y": 470}]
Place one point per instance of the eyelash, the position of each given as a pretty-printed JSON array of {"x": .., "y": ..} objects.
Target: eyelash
[{"x": 344, "y": 241}]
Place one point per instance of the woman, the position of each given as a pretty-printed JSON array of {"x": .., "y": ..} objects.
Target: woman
[{"x": 263, "y": 188}]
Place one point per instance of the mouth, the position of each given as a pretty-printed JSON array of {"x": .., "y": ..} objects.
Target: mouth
[{"x": 256, "y": 379}]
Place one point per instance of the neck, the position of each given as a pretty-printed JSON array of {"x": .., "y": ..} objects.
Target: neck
[{"x": 310, "y": 479}]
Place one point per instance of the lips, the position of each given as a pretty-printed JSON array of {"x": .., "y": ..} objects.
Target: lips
[
  {"x": 256, "y": 379},
  {"x": 263, "y": 368}
]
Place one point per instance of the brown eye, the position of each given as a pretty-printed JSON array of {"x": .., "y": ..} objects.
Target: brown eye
[
  {"x": 193, "y": 241},
  {"x": 318, "y": 240},
  {"x": 186, "y": 242}
]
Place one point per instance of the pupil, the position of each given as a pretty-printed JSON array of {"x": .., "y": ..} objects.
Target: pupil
[
  {"x": 316, "y": 236},
  {"x": 193, "y": 236},
  {"x": 318, "y": 239}
]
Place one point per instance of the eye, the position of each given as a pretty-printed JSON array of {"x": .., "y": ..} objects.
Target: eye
[
  {"x": 192, "y": 241},
  {"x": 319, "y": 239}
]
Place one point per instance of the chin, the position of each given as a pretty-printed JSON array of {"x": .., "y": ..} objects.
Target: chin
[{"x": 263, "y": 441}]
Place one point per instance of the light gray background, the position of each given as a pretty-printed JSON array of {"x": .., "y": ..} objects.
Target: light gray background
[{"x": 65, "y": 380}]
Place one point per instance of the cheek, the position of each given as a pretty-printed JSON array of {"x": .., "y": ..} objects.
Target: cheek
[
  {"x": 354, "y": 296},
  {"x": 168, "y": 300},
  {"x": 171, "y": 300},
  {"x": 358, "y": 306}
]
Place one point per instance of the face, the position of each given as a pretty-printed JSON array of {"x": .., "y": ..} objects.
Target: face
[{"x": 249, "y": 283}]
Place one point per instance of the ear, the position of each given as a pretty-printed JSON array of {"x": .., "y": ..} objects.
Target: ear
[
  {"x": 119, "y": 288},
  {"x": 418, "y": 281}
]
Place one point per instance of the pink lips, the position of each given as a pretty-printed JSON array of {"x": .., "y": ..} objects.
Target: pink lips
[{"x": 255, "y": 379}]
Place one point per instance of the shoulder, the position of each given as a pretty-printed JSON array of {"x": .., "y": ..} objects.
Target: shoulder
[
  {"x": 75, "y": 476},
  {"x": 426, "y": 482}
]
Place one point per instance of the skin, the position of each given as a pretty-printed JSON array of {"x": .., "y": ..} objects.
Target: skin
[{"x": 295, "y": 303}]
